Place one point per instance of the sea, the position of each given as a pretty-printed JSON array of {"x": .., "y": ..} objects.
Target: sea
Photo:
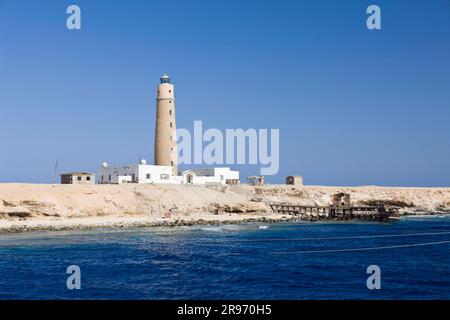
[{"x": 406, "y": 259}]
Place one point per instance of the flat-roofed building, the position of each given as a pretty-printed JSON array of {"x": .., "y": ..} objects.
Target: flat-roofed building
[
  {"x": 144, "y": 173},
  {"x": 256, "y": 180},
  {"x": 211, "y": 175},
  {"x": 294, "y": 180},
  {"x": 78, "y": 178},
  {"x": 136, "y": 173}
]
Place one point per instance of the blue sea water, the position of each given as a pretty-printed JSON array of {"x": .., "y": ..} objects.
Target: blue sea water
[{"x": 251, "y": 261}]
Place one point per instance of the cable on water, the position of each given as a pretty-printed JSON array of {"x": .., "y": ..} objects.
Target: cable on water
[
  {"x": 331, "y": 238},
  {"x": 363, "y": 249}
]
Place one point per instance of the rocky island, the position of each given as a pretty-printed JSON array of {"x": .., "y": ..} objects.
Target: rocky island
[{"x": 30, "y": 207}]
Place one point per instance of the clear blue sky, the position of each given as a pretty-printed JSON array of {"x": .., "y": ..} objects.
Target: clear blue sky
[{"x": 354, "y": 106}]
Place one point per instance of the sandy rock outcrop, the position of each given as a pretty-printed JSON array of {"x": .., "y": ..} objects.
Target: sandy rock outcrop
[{"x": 30, "y": 201}]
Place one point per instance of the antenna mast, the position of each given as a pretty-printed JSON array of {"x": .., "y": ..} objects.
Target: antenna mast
[{"x": 54, "y": 172}]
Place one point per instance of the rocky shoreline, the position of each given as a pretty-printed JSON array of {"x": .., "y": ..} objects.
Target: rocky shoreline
[
  {"x": 144, "y": 224},
  {"x": 177, "y": 223}
]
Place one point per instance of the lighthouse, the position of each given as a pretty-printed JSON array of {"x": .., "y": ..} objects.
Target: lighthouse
[
  {"x": 165, "y": 130},
  {"x": 165, "y": 168}
]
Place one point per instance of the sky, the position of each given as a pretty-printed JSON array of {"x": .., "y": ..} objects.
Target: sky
[{"x": 354, "y": 106}]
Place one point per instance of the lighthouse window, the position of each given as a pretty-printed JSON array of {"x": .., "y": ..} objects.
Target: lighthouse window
[
  {"x": 171, "y": 124},
  {"x": 170, "y": 91},
  {"x": 170, "y": 101},
  {"x": 170, "y": 112}
]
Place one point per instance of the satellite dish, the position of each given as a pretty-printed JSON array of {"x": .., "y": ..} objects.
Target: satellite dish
[
  {"x": 105, "y": 165},
  {"x": 143, "y": 162}
]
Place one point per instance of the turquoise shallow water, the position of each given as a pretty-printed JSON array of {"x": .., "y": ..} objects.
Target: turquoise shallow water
[{"x": 253, "y": 261}]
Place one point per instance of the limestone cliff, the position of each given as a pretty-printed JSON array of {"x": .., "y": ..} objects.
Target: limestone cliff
[{"x": 25, "y": 201}]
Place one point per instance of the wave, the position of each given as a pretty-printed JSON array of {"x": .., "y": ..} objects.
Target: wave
[{"x": 215, "y": 229}]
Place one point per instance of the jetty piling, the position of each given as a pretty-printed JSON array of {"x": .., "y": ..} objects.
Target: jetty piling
[{"x": 340, "y": 209}]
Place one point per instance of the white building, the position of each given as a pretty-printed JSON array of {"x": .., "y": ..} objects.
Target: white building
[
  {"x": 144, "y": 173},
  {"x": 210, "y": 175},
  {"x": 137, "y": 173}
]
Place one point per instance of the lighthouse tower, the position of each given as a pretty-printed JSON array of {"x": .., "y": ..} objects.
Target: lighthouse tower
[{"x": 165, "y": 140}]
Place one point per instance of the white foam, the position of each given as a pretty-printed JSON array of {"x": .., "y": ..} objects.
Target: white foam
[{"x": 215, "y": 229}]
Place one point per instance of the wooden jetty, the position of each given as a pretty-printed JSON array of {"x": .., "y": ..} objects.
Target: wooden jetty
[{"x": 341, "y": 209}]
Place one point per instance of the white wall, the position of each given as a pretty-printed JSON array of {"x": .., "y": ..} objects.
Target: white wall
[
  {"x": 213, "y": 175},
  {"x": 155, "y": 174},
  {"x": 141, "y": 173},
  {"x": 121, "y": 179},
  {"x": 226, "y": 173}
]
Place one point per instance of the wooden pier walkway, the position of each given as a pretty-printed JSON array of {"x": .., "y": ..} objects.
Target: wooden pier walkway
[{"x": 369, "y": 213}]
